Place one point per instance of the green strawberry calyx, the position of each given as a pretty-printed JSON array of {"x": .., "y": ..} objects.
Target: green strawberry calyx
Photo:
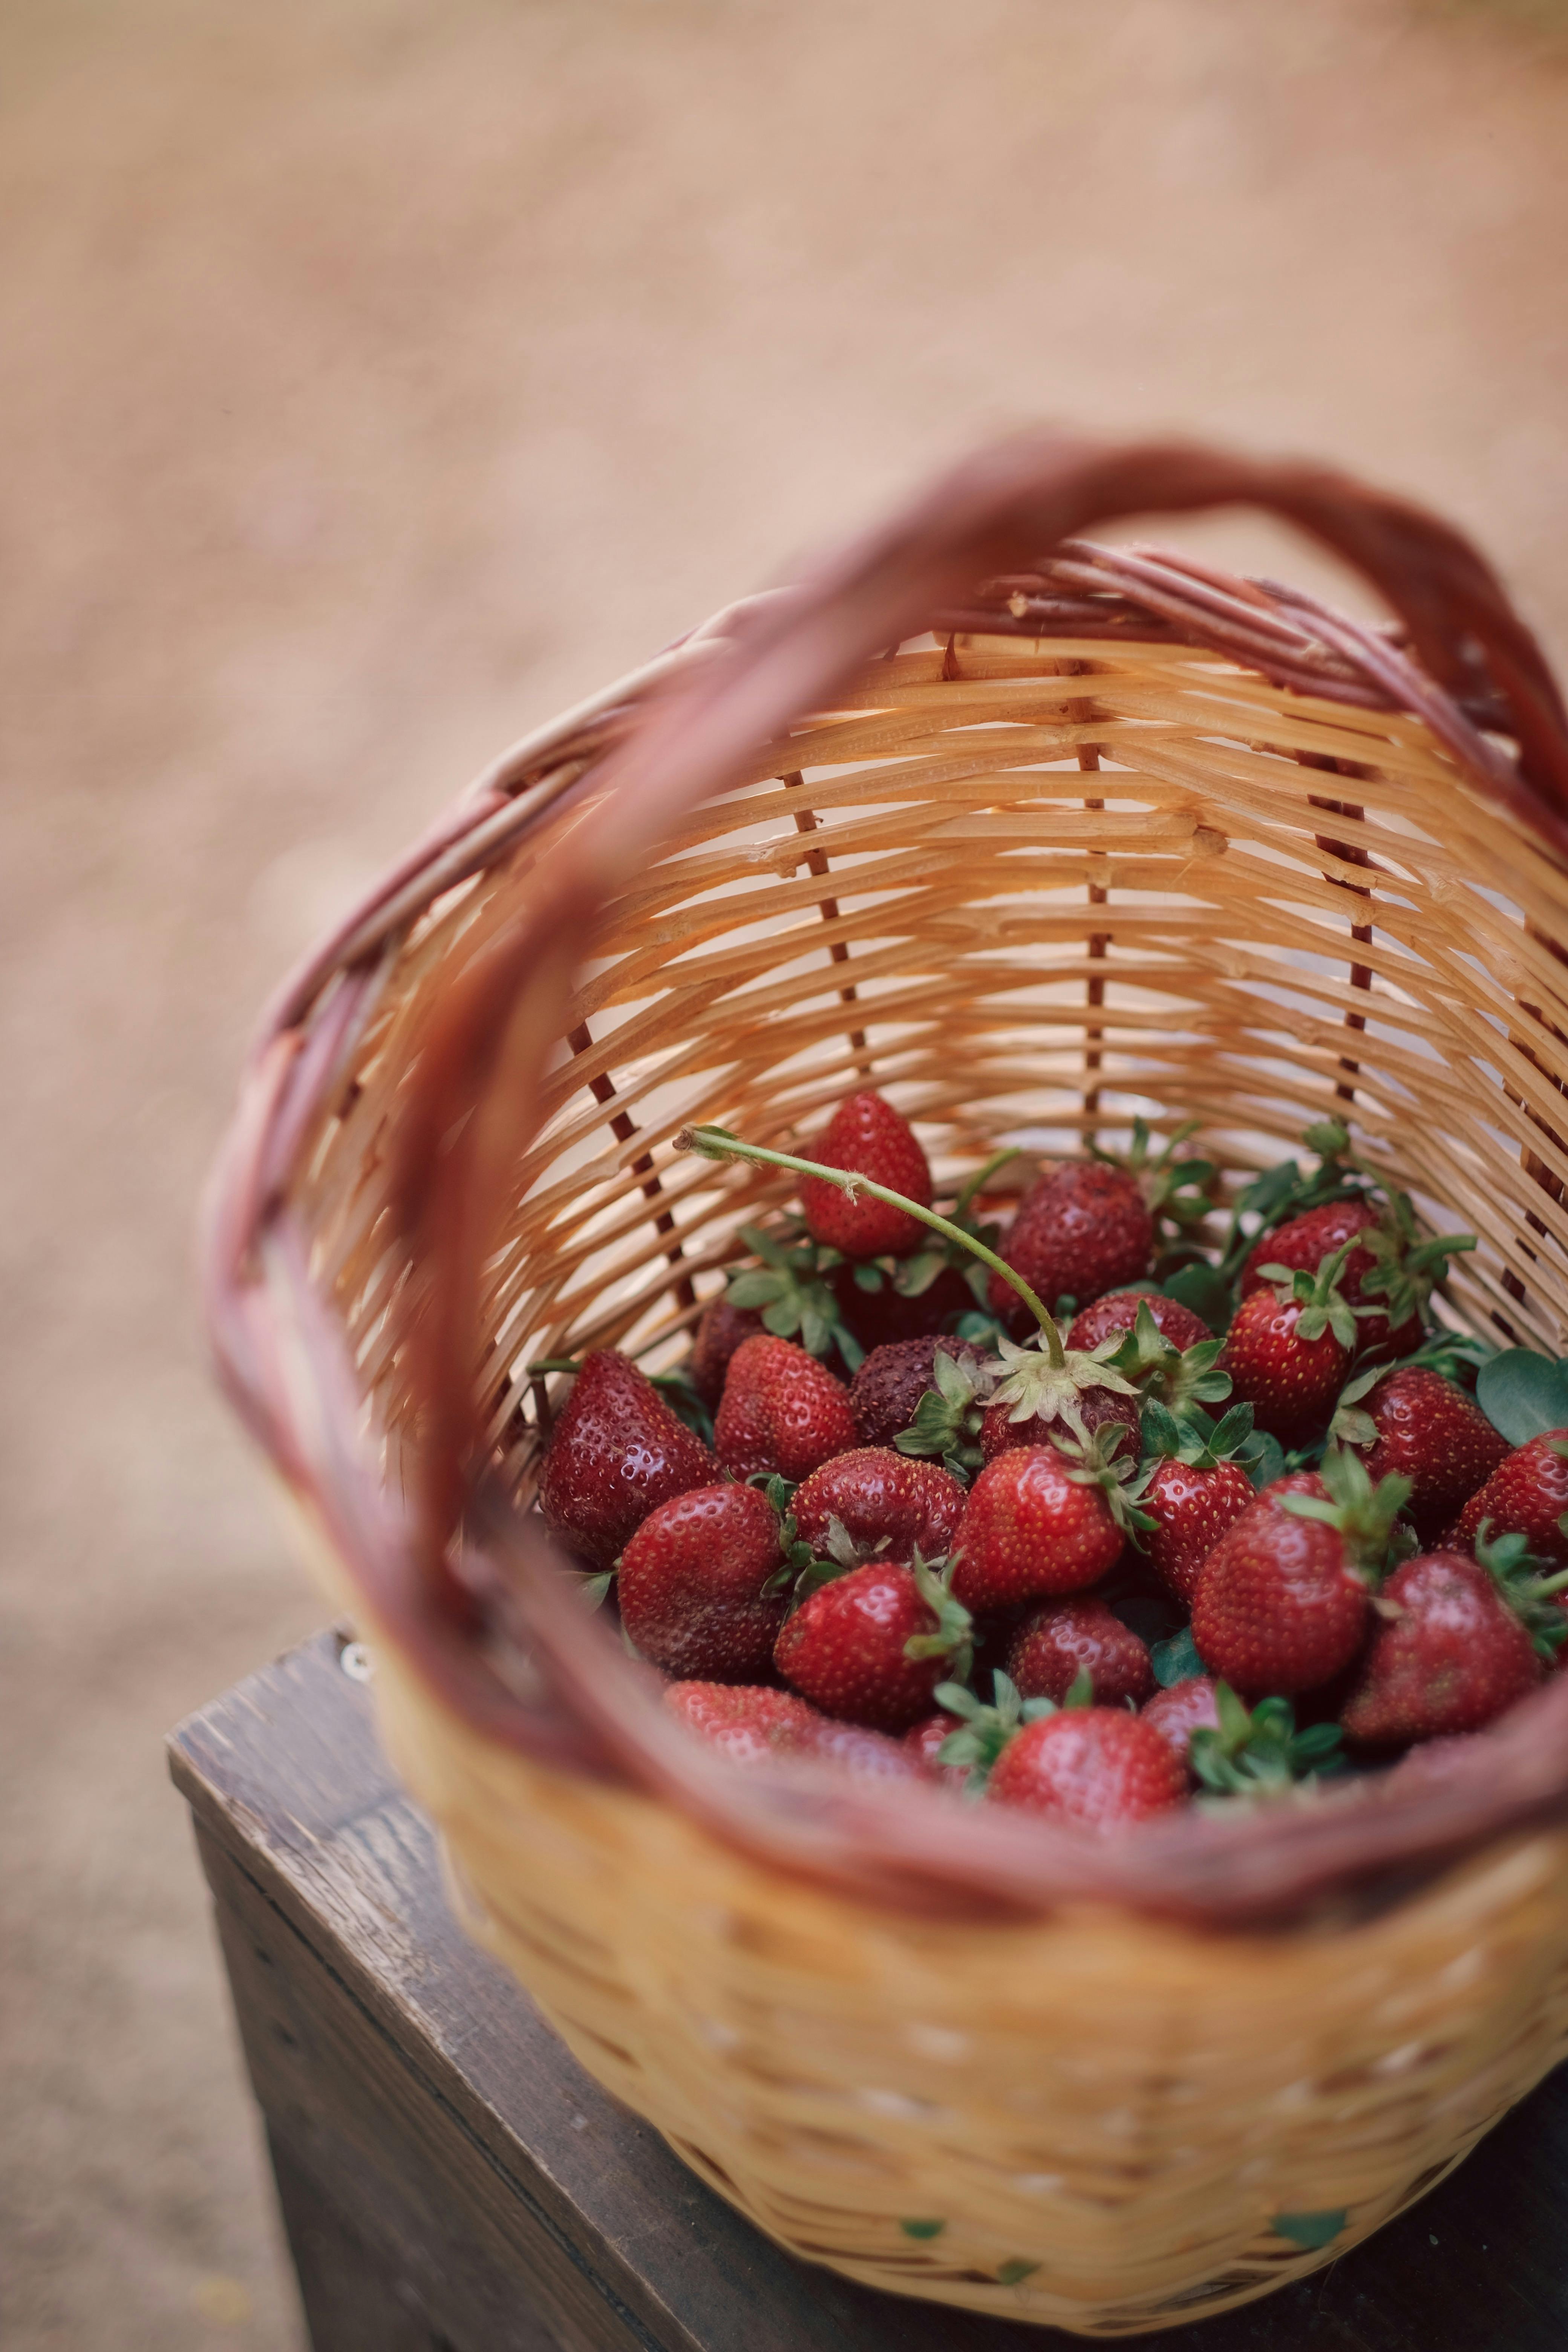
[
  {"x": 1323, "y": 1305},
  {"x": 1407, "y": 1269},
  {"x": 1045, "y": 1387},
  {"x": 1282, "y": 1191},
  {"x": 1196, "y": 1440},
  {"x": 1156, "y": 1365},
  {"x": 790, "y": 1290},
  {"x": 802, "y": 1570},
  {"x": 1258, "y": 1752},
  {"x": 1528, "y": 1585},
  {"x": 911, "y": 1277},
  {"x": 1176, "y": 1188},
  {"x": 984, "y": 1731},
  {"x": 953, "y": 1638},
  {"x": 1119, "y": 1481},
  {"x": 1365, "y": 1517},
  {"x": 948, "y": 1416}
]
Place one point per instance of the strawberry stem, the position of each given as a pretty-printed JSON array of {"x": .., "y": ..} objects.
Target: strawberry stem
[{"x": 718, "y": 1143}]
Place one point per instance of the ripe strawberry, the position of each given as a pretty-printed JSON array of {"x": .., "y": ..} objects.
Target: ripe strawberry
[
  {"x": 1416, "y": 1423},
  {"x": 1526, "y": 1494},
  {"x": 748, "y": 1725},
  {"x": 720, "y": 1328},
  {"x": 1288, "y": 1349},
  {"x": 873, "y": 1646},
  {"x": 1192, "y": 1490},
  {"x": 1119, "y": 1312},
  {"x": 1098, "y": 1767},
  {"x": 781, "y": 1410},
  {"x": 1175, "y": 1714},
  {"x": 1388, "y": 1268},
  {"x": 878, "y": 1496},
  {"x": 1052, "y": 1647},
  {"x": 1036, "y": 1524},
  {"x": 615, "y": 1452},
  {"x": 886, "y": 1393},
  {"x": 1452, "y": 1659},
  {"x": 1079, "y": 1230},
  {"x": 1283, "y": 1599},
  {"x": 692, "y": 1585},
  {"x": 884, "y": 1316},
  {"x": 867, "y": 1136}
]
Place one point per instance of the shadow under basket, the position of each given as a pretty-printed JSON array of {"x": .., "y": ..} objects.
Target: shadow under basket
[{"x": 1036, "y": 837}]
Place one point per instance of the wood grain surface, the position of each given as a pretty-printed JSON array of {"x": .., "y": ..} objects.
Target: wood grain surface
[{"x": 452, "y": 2181}]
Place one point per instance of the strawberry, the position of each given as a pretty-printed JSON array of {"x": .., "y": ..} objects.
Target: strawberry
[
  {"x": 1119, "y": 1313},
  {"x": 720, "y": 1328},
  {"x": 886, "y": 1393},
  {"x": 880, "y": 1497},
  {"x": 1258, "y": 1752},
  {"x": 748, "y": 1725},
  {"x": 876, "y": 1307},
  {"x": 1289, "y": 1347},
  {"x": 1450, "y": 1656},
  {"x": 870, "y": 1755},
  {"x": 615, "y": 1452},
  {"x": 1098, "y": 1767},
  {"x": 1414, "y": 1422},
  {"x": 872, "y": 1646},
  {"x": 1035, "y": 1525},
  {"x": 1051, "y": 1648},
  {"x": 1079, "y": 1230},
  {"x": 867, "y": 1136},
  {"x": 926, "y": 1741},
  {"x": 1282, "y": 1600},
  {"x": 1526, "y": 1494},
  {"x": 781, "y": 1410},
  {"x": 1387, "y": 1267},
  {"x": 1192, "y": 1491},
  {"x": 692, "y": 1585},
  {"x": 1187, "y": 1706}
]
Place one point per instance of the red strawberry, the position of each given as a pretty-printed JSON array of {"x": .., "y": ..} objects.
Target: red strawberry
[
  {"x": 885, "y": 1317},
  {"x": 1287, "y": 1351},
  {"x": 780, "y": 1411},
  {"x": 1175, "y": 1714},
  {"x": 1192, "y": 1490},
  {"x": 719, "y": 1331},
  {"x": 1120, "y": 1313},
  {"x": 1526, "y": 1494},
  {"x": 1454, "y": 1659},
  {"x": 1283, "y": 1599},
  {"x": 1036, "y": 1524},
  {"x": 1079, "y": 1230},
  {"x": 885, "y": 1393},
  {"x": 870, "y": 1755},
  {"x": 1051, "y": 1648},
  {"x": 1304, "y": 1242},
  {"x": 867, "y": 1136},
  {"x": 748, "y": 1725},
  {"x": 925, "y": 1740},
  {"x": 849, "y": 1647},
  {"x": 692, "y": 1585},
  {"x": 1416, "y": 1423},
  {"x": 1388, "y": 1267},
  {"x": 878, "y": 1495},
  {"x": 1096, "y": 1766},
  {"x": 615, "y": 1452}
]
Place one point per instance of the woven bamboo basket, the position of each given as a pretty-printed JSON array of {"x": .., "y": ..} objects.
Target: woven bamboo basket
[{"x": 1036, "y": 835}]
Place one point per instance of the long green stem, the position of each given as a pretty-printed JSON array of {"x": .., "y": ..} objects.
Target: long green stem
[{"x": 718, "y": 1143}]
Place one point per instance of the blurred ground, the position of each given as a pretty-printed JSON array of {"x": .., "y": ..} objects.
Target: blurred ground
[{"x": 376, "y": 377}]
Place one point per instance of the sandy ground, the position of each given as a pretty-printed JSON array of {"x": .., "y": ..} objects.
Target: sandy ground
[{"x": 374, "y": 378}]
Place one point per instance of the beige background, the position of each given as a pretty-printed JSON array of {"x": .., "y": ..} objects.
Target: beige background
[{"x": 375, "y": 377}]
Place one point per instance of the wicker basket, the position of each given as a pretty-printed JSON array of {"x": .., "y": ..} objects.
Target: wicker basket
[{"x": 1102, "y": 834}]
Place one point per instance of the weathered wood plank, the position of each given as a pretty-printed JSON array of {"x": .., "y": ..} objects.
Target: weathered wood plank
[{"x": 433, "y": 2126}]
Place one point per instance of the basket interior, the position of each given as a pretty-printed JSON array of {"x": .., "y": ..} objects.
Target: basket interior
[{"x": 1030, "y": 891}]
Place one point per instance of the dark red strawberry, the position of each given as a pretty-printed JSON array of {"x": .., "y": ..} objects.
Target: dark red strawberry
[
  {"x": 1288, "y": 1349},
  {"x": 1414, "y": 1422},
  {"x": 1079, "y": 1230},
  {"x": 1454, "y": 1658},
  {"x": 1526, "y": 1494},
  {"x": 867, "y": 1136},
  {"x": 889, "y": 1315},
  {"x": 781, "y": 1410},
  {"x": 719, "y": 1331},
  {"x": 1175, "y": 1714},
  {"x": 927, "y": 1738},
  {"x": 1388, "y": 1267},
  {"x": 615, "y": 1452},
  {"x": 692, "y": 1585},
  {"x": 1098, "y": 1767},
  {"x": 1054, "y": 1645},
  {"x": 886, "y": 1393},
  {"x": 1119, "y": 1312},
  {"x": 878, "y": 1496},
  {"x": 1303, "y": 1243},
  {"x": 749, "y": 1725},
  {"x": 1036, "y": 1524},
  {"x": 1192, "y": 1490},
  {"x": 1283, "y": 1599},
  {"x": 873, "y": 1646}
]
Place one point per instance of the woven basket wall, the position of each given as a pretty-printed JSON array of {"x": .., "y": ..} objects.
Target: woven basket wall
[{"x": 1120, "y": 837}]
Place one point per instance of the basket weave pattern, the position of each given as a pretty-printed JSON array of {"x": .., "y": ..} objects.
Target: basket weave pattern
[{"x": 1124, "y": 839}]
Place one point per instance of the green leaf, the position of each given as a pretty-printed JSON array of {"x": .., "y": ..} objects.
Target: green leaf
[
  {"x": 922, "y": 2229},
  {"x": 757, "y": 1286},
  {"x": 1264, "y": 1459},
  {"x": 593, "y": 1588},
  {"x": 914, "y": 1277},
  {"x": 1202, "y": 1288},
  {"x": 869, "y": 1278},
  {"x": 1013, "y": 2273},
  {"x": 1177, "y": 1660},
  {"x": 1081, "y": 1690},
  {"x": 1524, "y": 1394},
  {"x": 1312, "y": 2230}
]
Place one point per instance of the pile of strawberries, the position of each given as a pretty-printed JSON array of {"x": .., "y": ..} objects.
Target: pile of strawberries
[{"x": 934, "y": 1499}]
